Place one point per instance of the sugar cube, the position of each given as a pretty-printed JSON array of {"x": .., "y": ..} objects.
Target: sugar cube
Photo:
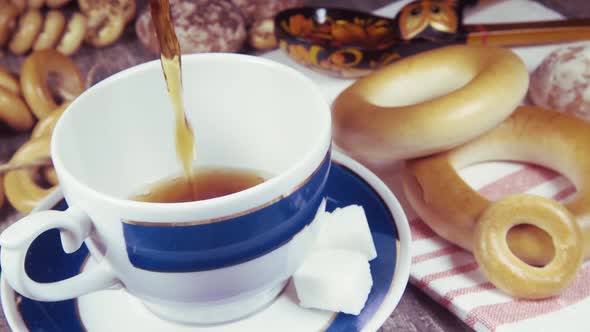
[
  {"x": 335, "y": 280},
  {"x": 347, "y": 228}
]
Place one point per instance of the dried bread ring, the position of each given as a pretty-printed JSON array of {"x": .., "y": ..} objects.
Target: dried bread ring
[
  {"x": 106, "y": 19},
  {"x": 29, "y": 26},
  {"x": 8, "y": 81},
  {"x": 14, "y": 112},
  {"x": 2, "y": 199},
  {"x": 402, "y": 111},
  {"x": 122, "y": 8},
  {"x": 55, "y": 23},
  {"x": 35, "y": 73},
  {"x": 45, "y": 126},
  {"x": 21, "y": 190},
  {"x": 73, "y": 38},
  {"x": 451, "y": 207},
  {"x": 8, "y": 17},
  {"x": 508, "y": 272},
  {"x": 56, "y": 3},
  {"x": 104, "y": 28}
]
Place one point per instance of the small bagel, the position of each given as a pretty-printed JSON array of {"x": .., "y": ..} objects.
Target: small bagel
[
  {"x": 45, "y": 126},
  {"x": 21, "y": 190},
  {"x": 122, "y": 8},
  {"x": 14, "y": 112},
  {"x": 73, "y": 37},
  {"x": 9, "y": 81},
  {"x": 29, "y": 26},
  {"x": 35, "y": 73},
  {"x": 451, "y": 207},
  {"x": 8, "y": 17},
  {"x": 55, "y": 23},
  {"x": 429, "y": 102},
  {"x": 104, "y": 28},
  {"x": 2, "y": 199},
  {"x": 508, "y": 272},
  {"x": 106, "y": 19}
]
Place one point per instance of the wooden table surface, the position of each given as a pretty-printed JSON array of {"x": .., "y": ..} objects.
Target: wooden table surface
[{"x": 416, "y": 311}]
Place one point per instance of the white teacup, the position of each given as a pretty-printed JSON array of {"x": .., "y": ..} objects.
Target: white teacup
[{"x": 206, "y": 261}]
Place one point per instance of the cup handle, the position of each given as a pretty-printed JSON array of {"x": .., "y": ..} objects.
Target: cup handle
[{"x": 74, "y": 226}]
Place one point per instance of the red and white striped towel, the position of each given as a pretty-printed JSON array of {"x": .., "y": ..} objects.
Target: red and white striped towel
[{"x": 451, "y": 276}]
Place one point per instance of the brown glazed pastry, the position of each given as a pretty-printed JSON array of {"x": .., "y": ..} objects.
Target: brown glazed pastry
[
  {"x": 260, "y": 9},
  {"x": 562, "y": 81},
  {"x": 201, "y": 26}
]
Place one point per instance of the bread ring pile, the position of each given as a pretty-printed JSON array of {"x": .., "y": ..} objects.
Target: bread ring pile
[
  {"x": 24, "y": 27},
  {"x": 44, "y": 100},
  {"x": 107, "y": 19},
  {"x": 35, "y": 74},
  {"x": 465, "y": 112},
  {"x": 13, "y": 110}
]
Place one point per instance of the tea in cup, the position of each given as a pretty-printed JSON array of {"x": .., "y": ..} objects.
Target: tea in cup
[{"x": 190, "y": 256}]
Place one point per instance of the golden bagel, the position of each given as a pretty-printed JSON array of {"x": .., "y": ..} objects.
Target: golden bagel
[
  {"x": 9, "y": 81},
  {"x": 19, "y": 185},
  {"x": 73, "y": 36},
  {"x": 29, "y": 26},
  {"x": 53, "y": 28},
  {"x": 45, "y": 127},
  {"x": 535, "y": 135},
  {"x": 428, "y": 103},
  {"x": 35, "y": 73},
  {"x": 14, "y": 111},
  {"x": 508, "y": 272}
]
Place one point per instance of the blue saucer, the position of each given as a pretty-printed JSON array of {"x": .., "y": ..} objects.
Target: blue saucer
[{"x": 348, "y": 183}]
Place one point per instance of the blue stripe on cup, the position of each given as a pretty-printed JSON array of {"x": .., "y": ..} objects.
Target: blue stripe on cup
[{"x": 205, "y": 246}]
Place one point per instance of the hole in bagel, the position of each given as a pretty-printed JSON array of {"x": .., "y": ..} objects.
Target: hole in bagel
[
  {"x": 534, "y": 240},
  {"x": 513, "y": 178},
  {"x": 55, "y": 85},
  {"x": 39, "y": 178}
]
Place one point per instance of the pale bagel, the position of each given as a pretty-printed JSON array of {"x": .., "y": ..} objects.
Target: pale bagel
[
  {"x": 428, "y": 103},
  {"x": 451, "y": 207}
]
